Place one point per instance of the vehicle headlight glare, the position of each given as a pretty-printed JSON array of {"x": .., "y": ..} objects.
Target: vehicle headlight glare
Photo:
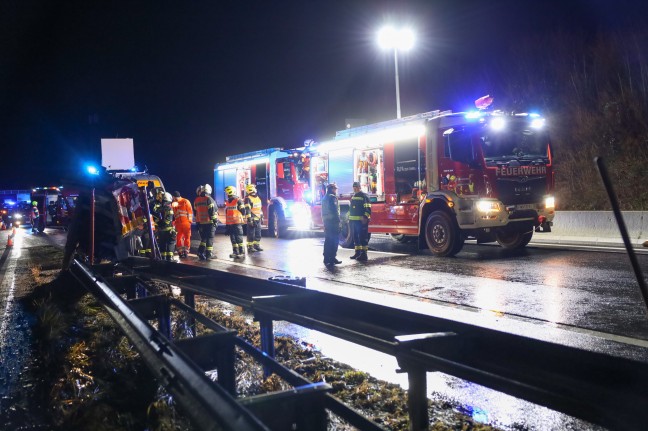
[
  {"x": 550, "y": 202},
  {"x": 18, "y": 216},
  {"x": 487, "y": 206}
]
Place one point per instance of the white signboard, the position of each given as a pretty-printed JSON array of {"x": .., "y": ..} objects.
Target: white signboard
[{"x": 117, "y": 154}]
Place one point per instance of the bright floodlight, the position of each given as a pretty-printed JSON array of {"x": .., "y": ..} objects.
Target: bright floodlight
[
  {"x": 390, "y": 38},
  {"x": 92, "y": 170}
]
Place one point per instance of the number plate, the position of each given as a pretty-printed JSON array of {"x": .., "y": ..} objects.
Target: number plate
[{"x": 525, "y": 207}]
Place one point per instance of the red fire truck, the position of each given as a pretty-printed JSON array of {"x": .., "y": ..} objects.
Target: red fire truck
[
  {"x": 55, "y": 204},
  {"x": 282, "y": 180},
  {"x": 437, "y": 178}
]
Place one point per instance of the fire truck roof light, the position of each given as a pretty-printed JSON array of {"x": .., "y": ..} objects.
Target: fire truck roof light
[
  {"x": 243, "y": 163},
  {"x": 408, "y": 131},
  {"x": 472, "y": 115}
]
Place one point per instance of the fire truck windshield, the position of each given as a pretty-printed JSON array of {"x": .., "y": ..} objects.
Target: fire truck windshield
[{"x": 516, "y": 142}]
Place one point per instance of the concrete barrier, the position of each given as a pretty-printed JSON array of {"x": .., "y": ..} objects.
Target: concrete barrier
[{"x": 595, "y": 228}]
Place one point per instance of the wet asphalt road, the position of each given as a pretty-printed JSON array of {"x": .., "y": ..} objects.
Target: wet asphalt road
[{"x": 576, "y": 297}]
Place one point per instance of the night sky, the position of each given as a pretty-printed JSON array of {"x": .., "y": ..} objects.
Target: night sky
[{"x": 194, "y": 81}]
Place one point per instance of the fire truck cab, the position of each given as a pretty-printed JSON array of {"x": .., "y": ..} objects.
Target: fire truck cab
[{"x": 440, "y": 178}]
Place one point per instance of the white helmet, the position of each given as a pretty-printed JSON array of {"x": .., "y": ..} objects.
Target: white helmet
[
  {"x": 199, "y": 190},
  {"x": 207, "y": 188},
  {"x": 168, "y": 197}
]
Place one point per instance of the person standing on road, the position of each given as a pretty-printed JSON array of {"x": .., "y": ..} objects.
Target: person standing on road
[
  {"x": 359, "y": 217},
  {"x": 183, "y": 217},
  {"x": 331, "y": 220},
  {"x": 207, "y": 220},
  {"x": 163, "y": 217},
  {"x": 254, "y": 210},
  {"x": 34, "y": 216},
  {"x": 235, "y": 214}
]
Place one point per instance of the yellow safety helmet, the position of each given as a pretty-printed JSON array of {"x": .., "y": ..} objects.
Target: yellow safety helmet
[
  {"x": 250, "y": 188},
  {"x": 230, "y": 191}
]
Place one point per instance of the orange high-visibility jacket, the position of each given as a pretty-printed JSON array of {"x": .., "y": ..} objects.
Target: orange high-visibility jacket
[{"x": 182, "y": 211}]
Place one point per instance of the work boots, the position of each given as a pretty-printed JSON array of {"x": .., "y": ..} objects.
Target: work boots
[
  {"x": 357, "y": 254},
  {"x": 363, "y": 257},
  {"x": 250, "y": 248},
  {"x": 257, "y": 247},
  {"x": 241, "y": 251},
  {"x": 208, "y": 255}
]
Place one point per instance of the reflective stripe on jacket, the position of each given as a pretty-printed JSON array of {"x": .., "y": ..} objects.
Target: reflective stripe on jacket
[
  {"x": 360, "y": 206},
  {"x": 183, "y": 212},
  {"x": 234, "y": 210},
  {"x": 205, "y": 209},
  {"x": 254, "y": 206}
]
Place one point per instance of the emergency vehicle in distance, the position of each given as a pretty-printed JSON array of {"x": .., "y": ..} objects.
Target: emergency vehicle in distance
[
  {"x": 437, "y": 178},
  {"x": 55, "y": 205}
]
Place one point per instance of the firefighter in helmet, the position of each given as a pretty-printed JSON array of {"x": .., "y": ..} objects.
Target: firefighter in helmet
[
  {"x": 206, "y": 213},
  {"x": 163, "y": 218},
  {"x": 359, "y": 216},
  {"x": 235, "y": 214},
  {"x": 254, "y": 212},
  {"x": 34, "y": 216}
]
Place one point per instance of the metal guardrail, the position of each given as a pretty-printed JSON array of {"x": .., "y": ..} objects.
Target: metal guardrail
[
  {"x": 180, "y": 365},
  {"x": 602, "y": 389}
]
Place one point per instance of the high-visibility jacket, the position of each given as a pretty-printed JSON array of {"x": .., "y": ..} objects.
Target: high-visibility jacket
[
  {"x": 182, "y": 211},
  {"x": 254, "y": 207},
  {"x": 206, "y": 211},
  {"x": 234, "y": 211},
  {"x": 360, "y": 206}
]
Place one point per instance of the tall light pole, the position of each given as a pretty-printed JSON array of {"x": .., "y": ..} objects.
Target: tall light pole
[{"x": 396, "y": 40}]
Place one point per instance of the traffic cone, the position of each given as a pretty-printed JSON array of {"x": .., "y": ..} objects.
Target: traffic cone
[{"x": 10, "y": 238}]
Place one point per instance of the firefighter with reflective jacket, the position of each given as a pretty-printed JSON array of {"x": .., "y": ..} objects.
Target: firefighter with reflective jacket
[
  {"x": 235, "y": 214},
  {"x": 254, "y": 210},
  {"x": 163, "y": 218},
  {"x": 359, "y": 216},
  {"x": 34, "y": 216},
  {"x": 183, "y": 214},
  {"x": 206, "y": 214}
]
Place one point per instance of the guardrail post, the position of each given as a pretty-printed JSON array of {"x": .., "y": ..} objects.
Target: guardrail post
[
  {"x": 190, "y": 301},
  {"x": 417, "y": 402},
  {"x": 164, "y": 317},
  {"x": 267, "y": 340}
]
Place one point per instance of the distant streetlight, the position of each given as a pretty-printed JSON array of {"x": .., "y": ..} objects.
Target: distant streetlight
[{"x": 397, "y": 40}]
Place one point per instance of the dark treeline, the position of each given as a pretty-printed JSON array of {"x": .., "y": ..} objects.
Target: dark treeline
[{"x": 594, "y": 92}]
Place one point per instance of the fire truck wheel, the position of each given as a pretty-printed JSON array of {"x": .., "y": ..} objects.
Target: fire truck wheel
[
  {"x": 512, "y": 239},
  {"x": 346, "y": 237},
  {"x": 442, "y": 234},
  {"x": 276, "y": 225}
]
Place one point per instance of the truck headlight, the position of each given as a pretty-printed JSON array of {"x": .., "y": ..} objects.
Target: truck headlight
[
  {"x": 550, "y": 202},
  {"x": 18, "y": 216},
  {"x": 487, "y": 206}
]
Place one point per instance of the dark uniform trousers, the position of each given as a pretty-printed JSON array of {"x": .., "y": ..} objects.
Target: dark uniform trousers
[{"x": 331, "y": 239}]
